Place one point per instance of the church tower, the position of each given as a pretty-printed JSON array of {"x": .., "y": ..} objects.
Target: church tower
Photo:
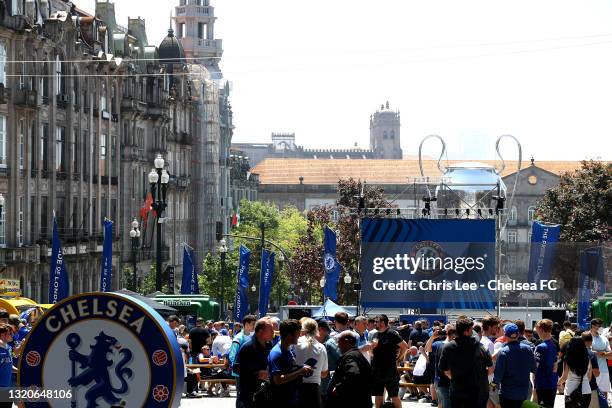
[
  {"x": 195, "y": 28},
  {"x": 385, "y": 133}
]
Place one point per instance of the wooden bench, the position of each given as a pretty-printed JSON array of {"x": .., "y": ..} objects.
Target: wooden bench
[
  {"x": 420, "y": 387},
  {"x": 218, "y": 381}
]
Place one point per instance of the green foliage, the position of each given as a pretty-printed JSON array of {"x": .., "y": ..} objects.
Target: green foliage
[
  {"x": 309, "y": 255},
  {"x": 283, "y": 228},
  {"x": 581, "y": 203}
]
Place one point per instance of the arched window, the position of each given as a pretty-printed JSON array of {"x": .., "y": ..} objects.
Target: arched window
[
  {"x": 385, "y": 135},
  {"x": 392, "y": 135},
  {"x": 530, "y": 214}
]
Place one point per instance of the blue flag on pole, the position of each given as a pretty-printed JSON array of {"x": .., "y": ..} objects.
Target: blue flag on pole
[
  {"x": 267, "y": 277},
  {"x": 544, "y": 238},
  {"x": 242, "y": 302},
  {"x": 592, "y": 283},
  {"x": 58, "y": 277},
  {"x": 107, "y": 257},
  {"x": 189, "y": 284},
  {"x": 330, "y": 262}
]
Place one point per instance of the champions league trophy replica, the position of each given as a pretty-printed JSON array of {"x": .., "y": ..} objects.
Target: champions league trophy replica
[{"x": 471, "y": 190}]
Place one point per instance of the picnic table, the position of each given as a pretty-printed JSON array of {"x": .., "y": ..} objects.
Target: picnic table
[
  {"x": 404, "y": 369},
  {"x": 206, "y": 365}
]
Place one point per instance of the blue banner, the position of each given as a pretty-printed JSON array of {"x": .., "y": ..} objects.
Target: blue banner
[
  {"x": 189, "y": 284},
  {"x": 591, "y": 285},
  {"x": 544, "y": 238},
  {"x": 330, "y": 262},
  {"x": 58, "y": 277},
  {"x": 241, "y": 307},
  {"x": 107, "y": 257},
  {"x": 425, "y": 263},
  {"x": 267, "y": 277}
]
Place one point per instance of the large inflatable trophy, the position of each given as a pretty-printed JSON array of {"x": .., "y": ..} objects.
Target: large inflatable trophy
[{"x": 470, "y": 186}]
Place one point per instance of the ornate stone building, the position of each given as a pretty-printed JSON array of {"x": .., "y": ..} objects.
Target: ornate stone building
[{"x": 85, "y": 106}]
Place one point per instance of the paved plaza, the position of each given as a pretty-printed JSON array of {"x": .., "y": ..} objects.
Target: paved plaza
[{"x": 216, "y": 402}]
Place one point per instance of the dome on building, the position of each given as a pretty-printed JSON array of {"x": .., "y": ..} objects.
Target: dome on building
[{"x": 170, "y": 50}]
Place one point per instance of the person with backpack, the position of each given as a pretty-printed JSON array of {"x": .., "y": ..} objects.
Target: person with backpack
[
  {"x": 466, "y": 363},
  {"x": 513, "y": 368},
  {"x": 577, "y": 373}
]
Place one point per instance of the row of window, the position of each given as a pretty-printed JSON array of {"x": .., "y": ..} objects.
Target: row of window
[
  {"x": 66, "y": 152},
  {"x": 513, "y": 214}
]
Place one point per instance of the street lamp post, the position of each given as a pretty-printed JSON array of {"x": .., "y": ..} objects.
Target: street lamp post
[
  {"x": 159, "y": 178},
  {"x": 347, "y": 282},
  {"x": 223, "y": 253},
  {"x": 135, "y": 236},
  {"x": 281, "y": 261},
  {"x": 322, "y": 285}
]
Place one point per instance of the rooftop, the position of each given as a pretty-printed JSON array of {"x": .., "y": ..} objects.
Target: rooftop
[{"x": 289, "y": 171}]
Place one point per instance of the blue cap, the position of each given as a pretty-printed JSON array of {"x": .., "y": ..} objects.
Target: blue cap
[
  {"x": 511, "y": 329},
  {"x": 223, "y": 332}
]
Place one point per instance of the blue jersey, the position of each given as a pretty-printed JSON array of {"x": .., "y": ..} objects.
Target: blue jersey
[{"x": 6, "y": 366}]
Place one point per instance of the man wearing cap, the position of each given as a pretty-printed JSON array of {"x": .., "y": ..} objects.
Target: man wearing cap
[
  {"x": 222, "y": 344},
  {"x": 515, "y": 363}
]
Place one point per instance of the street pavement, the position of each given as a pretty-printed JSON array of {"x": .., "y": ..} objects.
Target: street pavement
[{"x": 218, "y": 402}]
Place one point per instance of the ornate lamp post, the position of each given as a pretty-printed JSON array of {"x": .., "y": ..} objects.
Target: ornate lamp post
[
  {"x": 222, "y": 253},
  {"x": 347, "y": 282},
  {"x": 159, "y": 178},
  {"x": 135, "y": 236}
]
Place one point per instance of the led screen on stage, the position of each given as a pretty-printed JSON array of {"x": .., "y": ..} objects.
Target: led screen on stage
[{"x": 428, "y": 263}]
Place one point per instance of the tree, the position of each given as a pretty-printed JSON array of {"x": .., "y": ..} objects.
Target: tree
[
  {"x": 581, "y": 203},
  {"x": 284, "y": 228},
  {"x": 346, "y": 222}
]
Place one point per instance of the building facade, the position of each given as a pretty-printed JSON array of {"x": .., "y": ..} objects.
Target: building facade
[
  {"x": 86, "y": 105},
  {"x": 385, "y": 143}
]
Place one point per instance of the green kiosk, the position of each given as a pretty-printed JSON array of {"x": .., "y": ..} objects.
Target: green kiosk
[
  {"x": 602, "y": 308},
  {"x": 191, "y": 305}
]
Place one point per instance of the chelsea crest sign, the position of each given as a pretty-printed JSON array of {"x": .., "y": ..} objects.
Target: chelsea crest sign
[{"x": 107, "y": 350}]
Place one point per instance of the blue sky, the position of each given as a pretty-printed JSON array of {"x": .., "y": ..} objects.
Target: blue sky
[{"x": 467, "y": 70}]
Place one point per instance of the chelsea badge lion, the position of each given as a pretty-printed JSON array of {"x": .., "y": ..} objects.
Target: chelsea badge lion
[{"x": 104, "y": 350}]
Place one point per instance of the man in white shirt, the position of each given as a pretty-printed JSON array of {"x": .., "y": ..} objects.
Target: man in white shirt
[
  {"x": 222, "y": 344},
  {"x": 601, "y": 347},
  {"x": 308, "y": 351}
]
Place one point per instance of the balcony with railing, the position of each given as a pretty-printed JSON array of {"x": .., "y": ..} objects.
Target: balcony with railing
[
  {"x": 191, "y": 10},
  {"x": 9, "y": 256},
  {"x": 203, "y": 47}
]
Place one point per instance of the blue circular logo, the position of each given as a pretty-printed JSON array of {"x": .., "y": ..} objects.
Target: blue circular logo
[
  {"x": 330, "y": 262},
  {"x": 102, "y": 349}
]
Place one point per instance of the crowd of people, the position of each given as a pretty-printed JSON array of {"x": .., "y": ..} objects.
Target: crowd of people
[{"x": 364, "y": 361}]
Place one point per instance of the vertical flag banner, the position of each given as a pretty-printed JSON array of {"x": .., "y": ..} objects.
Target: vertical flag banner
[
  {"x": 58, "y": 282},
  {"x": 242, "y": 302},
  {"x": 267, "y": 276},
  {"x": 107, "y": 257},
  {"x": 189, "y": 284},
  {"x": 332, "y": 267},
  {"x": 591, "y": 283},
  {"x": 544, "y": 238}
]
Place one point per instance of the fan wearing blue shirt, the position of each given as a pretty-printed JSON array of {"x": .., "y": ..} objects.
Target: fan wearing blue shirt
[
  {"x": 515, "y": 363},
  {"x": 284, "y": 372},
  {"x": 546, "y": 377}
]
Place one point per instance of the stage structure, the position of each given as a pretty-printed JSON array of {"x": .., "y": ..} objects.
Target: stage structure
[{"x": 444, "y": 252}]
